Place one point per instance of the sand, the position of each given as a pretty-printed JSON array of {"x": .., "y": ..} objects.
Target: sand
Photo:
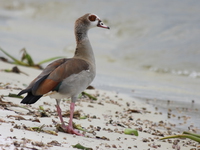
[{"x": 105, "y": 121}]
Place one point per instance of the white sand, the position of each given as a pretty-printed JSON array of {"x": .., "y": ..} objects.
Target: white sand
[{"x": 109, "y": 106}]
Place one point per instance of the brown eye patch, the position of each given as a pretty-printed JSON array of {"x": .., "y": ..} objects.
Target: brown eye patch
[{"x": 92, "y": 17}]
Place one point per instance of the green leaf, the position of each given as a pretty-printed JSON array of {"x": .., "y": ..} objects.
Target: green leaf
[
  {"x": 42, "y": 111},
  {"x": 131, "y": 131},
  {"x": 14, "y": 95},
  {"x": 41, "y": 108},
  {"x": 29, "y": 60},
  {"x": 89, "y": 96},
  {"x": 50, "y": 59},
  {"x": 16, "y": 61},
  {"x": 8, "y": 70},
  {"x": 193, "y": 134},
  {"x": 78, "y": 126},
  {"x": 195, "y": 138},
  {"x": 83, "y": 117},
  {"x": 27, "y": 57},
  {"x": 79, "y": 146}
]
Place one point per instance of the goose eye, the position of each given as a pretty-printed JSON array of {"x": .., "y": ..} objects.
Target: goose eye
[{"x": 92, "y": 17}]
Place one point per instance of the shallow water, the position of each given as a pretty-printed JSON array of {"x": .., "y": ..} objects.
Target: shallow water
[{"x": 152, "y": 50}]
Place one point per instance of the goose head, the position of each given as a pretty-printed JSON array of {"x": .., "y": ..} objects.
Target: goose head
[
  {"x": 95, "y": 21},
  {"x": 88, "y": 21}
]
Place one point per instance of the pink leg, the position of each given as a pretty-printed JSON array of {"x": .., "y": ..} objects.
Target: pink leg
[
  {"x": 60, "y": 115},
  {"x": 69, "y": 128}
]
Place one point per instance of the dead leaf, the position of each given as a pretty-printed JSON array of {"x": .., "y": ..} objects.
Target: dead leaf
[
  {"x": 16, "y": 117},
  {"x": 90, "y": 87},
  {"x": 103, "y": 138},
  {"x": 50, "y": 132},
  {"x": 35, "y": 120},
  {"x": 134, "y": 111},
  {"x": 3, "y": 59},
  {"x": 54, "y": 143},
  {"x": 1, "y": 120},
  {"x": 77, "y": 114}
]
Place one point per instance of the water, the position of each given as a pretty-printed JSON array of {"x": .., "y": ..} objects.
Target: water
[{"x": 152, "y": 50}]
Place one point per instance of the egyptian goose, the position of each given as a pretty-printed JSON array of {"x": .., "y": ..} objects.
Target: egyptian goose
[{"x": 68, "y": 77}]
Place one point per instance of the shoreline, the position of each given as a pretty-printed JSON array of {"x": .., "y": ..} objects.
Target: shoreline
[{"x": 105, "y": 120}]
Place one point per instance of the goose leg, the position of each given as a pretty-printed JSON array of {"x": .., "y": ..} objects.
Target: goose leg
[
  {"x": 59, "y": 111},
  {"x": 69, "y": 128}
]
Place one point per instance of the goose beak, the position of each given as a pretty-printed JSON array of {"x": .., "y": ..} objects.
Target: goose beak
[{"x": 102, "y": 25}]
